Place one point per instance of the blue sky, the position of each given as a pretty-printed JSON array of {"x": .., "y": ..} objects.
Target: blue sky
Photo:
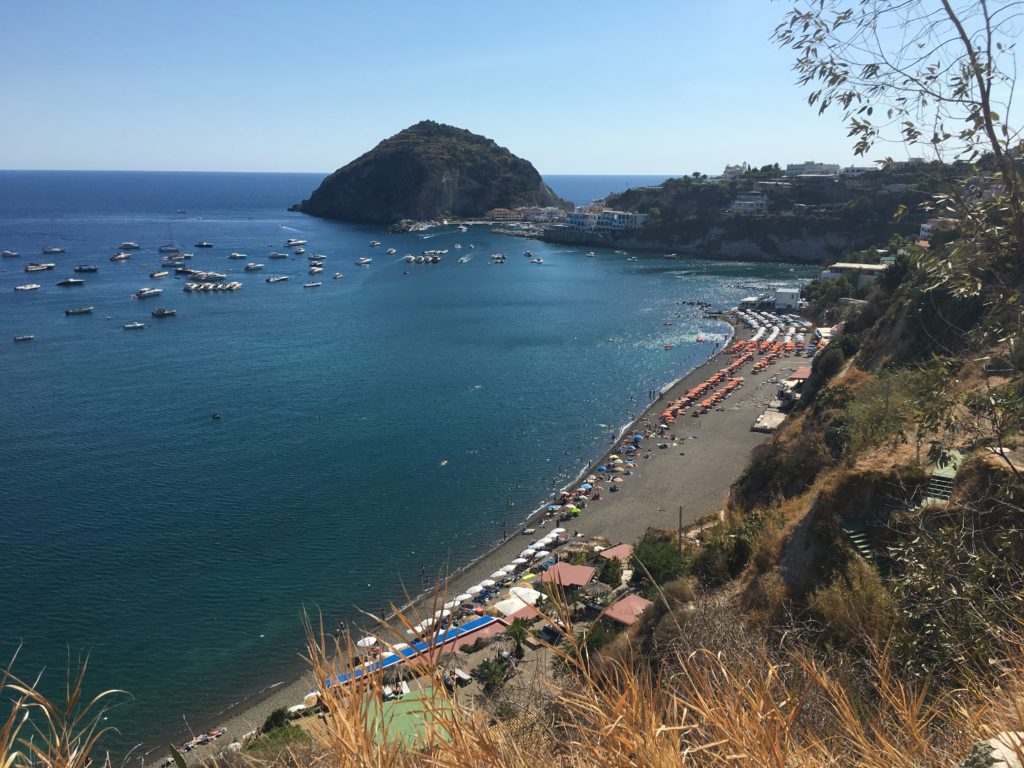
[{"x": 597, "y": 87}]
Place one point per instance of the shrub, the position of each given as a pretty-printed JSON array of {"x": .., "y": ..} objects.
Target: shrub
[
  {"x": 856, "y": 607},
  {"x": 657, "y": 556},
  {"x": 611, "y": 572},
  {"x": 276, "y": 719}
]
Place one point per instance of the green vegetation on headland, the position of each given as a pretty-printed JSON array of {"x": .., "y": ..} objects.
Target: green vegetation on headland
[{"x": 429, "y": 171}]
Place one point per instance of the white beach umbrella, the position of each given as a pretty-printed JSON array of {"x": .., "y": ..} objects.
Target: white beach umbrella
[
  {"x": 487, "y": 583},
  {"x": 508, "y": 570},
  {"x": 541, "y": 555},
  {"x": 556, "y": 531},
  {"x": 399, "y": 647},
  {"x": 443, "y": 614},
  {"x": 428, "y": 623},
  {"x": 591, "y": 478},
  {"x": 366, "y": 642},
  {"x": 498, "y": 575},
  {"x": 463, "y": 597},
  {"x": 520, "y": 561},
  {"x": 528, "y": 552},
  {"x": 450, "y": 604},
  {"x": 417, "y": 630},
  {"x": 476, "y": 589}
]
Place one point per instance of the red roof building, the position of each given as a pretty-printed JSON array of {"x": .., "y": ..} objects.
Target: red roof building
[
  {"x": 568, "y": 575},
  {"x": 627, "y": 610},
  {"x": 622, "y": 552}
]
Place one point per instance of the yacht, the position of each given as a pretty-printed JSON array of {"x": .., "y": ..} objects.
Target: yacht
[
  {"x": 82, "y": 268},
  {"x": 161, "y": 312},
  {"x": 277, "y": 278},
  {"x": 78, "y": 311},
  {"x": 237, "y": 256},
  {"x": 338, "y": 275},
  {"x": 133, "y": 326},
  {"x": 158, "y": 275},
  {"x": 37, "y": 267},
  {"x": 128, "y": 245},
  {"x": 316, "y": 257},
  {"x": 252, "y": 267},
  {"x": 311, "y": 285},
  {"x": 315, "y": 270},
  {"x": 147, "y": 293},
  {"x": 374, "y": 243},
  {"x": 299, "y": 251},
  {"x": 291, "y": 242},
  {"x": 364, "y": 261},
  {"x": 203, "y": 244},
  {"x": 276, "y": 255},
  {"x": 10, "y": 254},
  {"x": 591, "y": 255},
  {"x": 24, "y": 338},
  {"x": 51, "y": 249},
  {"x": 167, "y": 249},
  {"x": 537, "y": 261},
  {"x": 392, "y": 251},
  {"x": 120, "y": 256},
  {"x": 71, "y": 281},
  {"x": 409, "y": 258},
  {"x": 28, "y": 287}
]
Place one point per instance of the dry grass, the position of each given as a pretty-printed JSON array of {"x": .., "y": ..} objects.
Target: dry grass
[{"x": 750, "y": 705}]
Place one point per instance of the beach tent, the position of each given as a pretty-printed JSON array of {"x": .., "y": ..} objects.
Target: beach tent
[{"x": 527, "y": 595}]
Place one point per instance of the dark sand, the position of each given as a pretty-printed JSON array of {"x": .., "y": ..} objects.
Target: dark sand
[{"x": 695, "y": 473}]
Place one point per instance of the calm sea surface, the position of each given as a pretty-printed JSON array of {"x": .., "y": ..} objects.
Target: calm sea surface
[{"x": 378, "y": 424}]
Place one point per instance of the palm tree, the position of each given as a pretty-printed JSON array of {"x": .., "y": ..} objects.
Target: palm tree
[{"x": 518, "y": 631}]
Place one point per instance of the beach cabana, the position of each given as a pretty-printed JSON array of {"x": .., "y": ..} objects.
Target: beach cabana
[
  {"x": 568, "y": 575},
  {"x": 621, "y": 552},
  {"x": 627, "y": 610}
]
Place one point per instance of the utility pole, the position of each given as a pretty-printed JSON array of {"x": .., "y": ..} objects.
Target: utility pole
[{"x": 680, "y": 534}]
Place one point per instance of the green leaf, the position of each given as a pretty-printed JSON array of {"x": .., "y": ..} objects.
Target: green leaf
[{"x": 178, "y": 759}]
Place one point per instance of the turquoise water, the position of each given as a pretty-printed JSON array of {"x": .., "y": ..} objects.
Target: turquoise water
[{"x": 381, "y": 425}]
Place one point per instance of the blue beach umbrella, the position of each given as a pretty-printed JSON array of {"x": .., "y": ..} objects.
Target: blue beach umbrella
[
  {"x": 586, "y": 486},
  {"x": 630, "y": 448},
  {"x": 602, "y": 468},
  {"x": 553, "y": 507}
]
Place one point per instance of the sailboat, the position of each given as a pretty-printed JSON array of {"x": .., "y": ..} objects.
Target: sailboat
[{"x": 170, "y": 247}]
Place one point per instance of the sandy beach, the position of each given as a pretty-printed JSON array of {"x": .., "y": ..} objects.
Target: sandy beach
[{"x": 694, "y": 473}]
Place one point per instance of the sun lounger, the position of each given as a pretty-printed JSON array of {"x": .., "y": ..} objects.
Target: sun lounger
[{"x": 461, "y": 676}]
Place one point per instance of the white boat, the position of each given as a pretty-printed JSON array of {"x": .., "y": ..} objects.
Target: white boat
[
  {"x": 463, "y": 259},
  {"x": 293, "y": 241},
  {"x": 203, "y": 244},
  {"x": 374, "y": 243},
  {"x": 591, "y": 255},
  {"x": 10, "y": 254},
  {"x": 632, "y": 258},
  {"x": 311, "y": 285},
  {"x": 128, "y": 245},
  {"x": 277, "y": 278},
  {"x": 364, "y": 261},
  {"x": 252, "y": 267},
  {"x": 537, "y": 261},
  {"x": 338, "y": 275},
  {"x": 133, "y": 326},
  {"x": 277, "y": 255},
  {"x": 315, "y": 270},
  {"x": 463, "y": 228},
  {"x": 409, "y": 258},
  {"x": 28, "y": 287},
  {"x": 392, "y": 251},
  {"x": 24, "y": 338},
  {"x": 158, "y": 275},
  {"x": 299, "y": 251},
  {"x": 37, "y": 267},
  {"x": 51, "y": 249},
  {"x": 237, "y": 256},
  {"x": 147, "y": 293},
  {"x": 120, "y": 256}
]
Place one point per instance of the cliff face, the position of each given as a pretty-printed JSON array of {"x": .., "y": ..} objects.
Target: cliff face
[{"x": 428, "y": 171}]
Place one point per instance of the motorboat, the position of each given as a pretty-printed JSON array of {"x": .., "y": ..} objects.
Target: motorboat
[
  {"x": 169, "y": 248},
  {"x": 528, "y": 254},
  {"x": 203, "y": 244},
  {"x": 83, "y": 268},
  {"x": 673, "y": 256},
  {"x": 315, "y": 270},
  {"x": 161, "y": 312},
  {"x": 120, "y": 256},
  {"x": 37, "y": 267},
  {"x": 409, "y": 258},
  {"x": 537, "y": 261},
  {"x": 374, "y": 243},
  {"x": 78, "y": 311},
  {"x": 253, "y": 267},
  {"x": 10, "y": 254},
  {"x": 497, "y": 258},
  {"x": 591, "y": 255},
  {"x": 28, "y": 287},
  {"x": 24, "y": 338},
  {"x": 316, "y": 257},
  {"x": 158, "y": 275},
  {"x": 364, "y": 261},
  {"x": 237, "y": 256},
  {"x": 277, "y": 278},
  {"x": 291, "y": 242},
  {"x": 392, "y": 251},
  {"x": 311, "y": 285},
  {"x": 147, "y": 293},
  {"x": 299, "y": 251},
  {"x": 463, "y": 259},
  {"x": 632, "y": 258},
  {"x": 276, "y": 255},
  {"x": 338, "y": 275},
  {"x": 128, "y": 245},
  {"x": 133, "y": 326},
  {"x": 69, "y": 281},
  {"x": 51, "y": 249}
]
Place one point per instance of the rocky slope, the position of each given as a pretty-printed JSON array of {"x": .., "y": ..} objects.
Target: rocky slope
[{"x": 428, "y": 171}]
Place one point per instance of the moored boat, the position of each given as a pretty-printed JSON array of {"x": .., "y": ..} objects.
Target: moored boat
[
  {"x": 203, "y": 244},
  {"x": 120, "y": 256},
  {"x": 128, "y": 245},
  {"x": 24, "y": 338},
  {"x": 28, "y": 287},
  {"x": 147, "y": 293},
  {"x": 82, "y": 268},
  {"x": 37, "y": 267},
  {"x": 392, "y": 251},
  {"x": 161, "y": 312},
  {"x": 277, "y": 255},
  {"x": 291, "y": 242},
  {"x": 10, "y": 254},
  {"x": 253, "y": 267},
  {"x": 158, "y": 275},
  {"x": 277, "y": 278},
  {"x": 311, "y": 285},
  {"x": 133, "y": 326},
  {"x": 374, "y": 243},
  {"x": 69, "y": 281},
  {"x": 364, "y": 261},
  {"x": 78, "y": 311},
  {"x": 51, "y": 249},
  {"x": 237, "y": 256}
]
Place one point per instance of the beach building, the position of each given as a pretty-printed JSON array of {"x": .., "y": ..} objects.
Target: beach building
[
  {"x": 622, "y": 552},
  {"x": 858, "y": 170},
  {"x": 627, "y": 610},
  {"x": 604, "y": 220},
  {"x": 938, "y": 224},
  {"x": 787, "y": 298},
  {"x": 860, "y": 274},
  {"x": 568, "y": 575},
  {"x": 503, "y": 214},
  {"x": 749, "y": 202},
  {"x": 811, "y": 168}
]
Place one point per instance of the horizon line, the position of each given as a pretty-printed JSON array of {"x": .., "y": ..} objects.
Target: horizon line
[{"x": 325, "y": 173}]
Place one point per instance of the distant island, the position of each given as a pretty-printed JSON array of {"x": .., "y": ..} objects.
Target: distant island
[{"x": 429, "y": 171}]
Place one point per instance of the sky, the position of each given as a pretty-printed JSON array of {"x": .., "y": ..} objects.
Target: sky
[{"x": 648, "y": 87}]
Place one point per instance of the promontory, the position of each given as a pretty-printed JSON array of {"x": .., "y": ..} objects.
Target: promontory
[{"x": 429, "y": 171}]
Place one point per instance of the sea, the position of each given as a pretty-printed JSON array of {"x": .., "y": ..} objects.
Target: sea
[{"x": 381, "y": 429}]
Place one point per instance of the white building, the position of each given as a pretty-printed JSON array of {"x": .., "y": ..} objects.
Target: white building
[
  {"x": 749, "y": 202},
  {"x": 940, "y": 224},
  {"x": 811, "y": 168},
  {"x": 787, "y": 298},
  {"x": 734, "y": 171},
  {"x": 858, "y": 170},
  {"x": 860, "y": 274},
  {"x": 605, "y": 221}
]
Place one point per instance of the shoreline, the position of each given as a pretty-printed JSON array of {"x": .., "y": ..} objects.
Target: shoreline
[{"x": 615, "y": 517}]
